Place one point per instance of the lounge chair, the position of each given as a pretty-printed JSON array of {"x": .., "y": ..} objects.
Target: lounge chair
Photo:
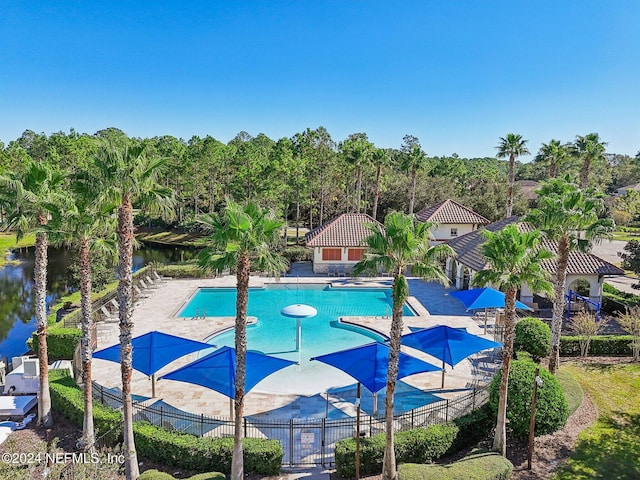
[
  {"x": 139, "y": 293},
  {"x": 340, "y": 270},
  {"x": 152, "y": 283},
  {"x": 160, "y": 278},
  {"x": 330, "y": 270}
]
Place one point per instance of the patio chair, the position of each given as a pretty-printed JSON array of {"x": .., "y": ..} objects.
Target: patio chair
[
  {"x": 340, "y": 272},
  {"x": 151, "y": 283},
  {"x": 139, "y": 293},
  {"x": 160, "y": 278},
  {"x": 331, "y": 270},
  {"x": 106, "y": 314}
]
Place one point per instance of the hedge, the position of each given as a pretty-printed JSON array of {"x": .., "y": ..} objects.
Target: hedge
[
  {"x": 169, "y": 448},
  {"x": 298, "y": 254},
  {"x": 419, "y": 445},
  {"x": 61, "y": 342},
  {"x": 472, "y": 428},
  {"x": 156, "y": 475},
  {"x": 205, "y": 454},
  {"x": 600, "y": 345},
  {"x": 479, "y": 465},
  {"x": 68, "y": 399}
]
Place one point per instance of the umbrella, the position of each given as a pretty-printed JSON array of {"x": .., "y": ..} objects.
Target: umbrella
[
  {"x": 451, "y": 345},
  {"x": 368, "y": 364},
  {"x": 217, "y": 370},
  {"x": 486, "y": 297},
  {"x": 152, "y": 351}
]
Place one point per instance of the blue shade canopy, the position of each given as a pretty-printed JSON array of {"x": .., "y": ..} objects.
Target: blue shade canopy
[
  {"x": 479, "y": 298},
  {"x": 217, "y": 370},
  {"x": 368, "y": 364},
  {"x": 153, "y": 350},
  {"x": 451, "y": 345}
]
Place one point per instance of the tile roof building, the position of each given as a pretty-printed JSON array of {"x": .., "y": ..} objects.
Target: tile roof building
[
  {"x": 452, "y": 218},
  {"x": 340, "y": 243},
  {"x": 585, "y": 271}
]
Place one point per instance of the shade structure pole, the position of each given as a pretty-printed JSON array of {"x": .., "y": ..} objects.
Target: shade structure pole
[
  {"x": 443, "y": 371},
  {"x": 358, "y": 432},
  {"x": 486, "y": 313},
  {"x": 153, "y": 386},
  {"x": 375, "y": 403},
  {"x": 231, "y": 408}
]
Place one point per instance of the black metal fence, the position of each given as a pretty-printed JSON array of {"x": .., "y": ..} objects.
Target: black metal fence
[{"x": 304, "y": 441}]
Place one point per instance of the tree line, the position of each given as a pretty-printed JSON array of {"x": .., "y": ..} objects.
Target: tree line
[{"x": 310, "y": 177}]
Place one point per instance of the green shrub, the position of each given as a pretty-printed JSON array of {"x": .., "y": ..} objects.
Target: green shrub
[
  {"x": 551, "y": 407},
  {"x": 208, "y": 476},
  {"x": 473, "y": 427},
  {"x": 298, "y": 254},
  {"x": 205, "y": 454},
  {"x": 182, "y": 270},
  {"x": 155, "y": 475},
  {"x": 61, "y": 342},
  {"x": 479, "y": 465},
  {"x": 600, "y": 345},
  {"x": 533, "y": 336},
  {"x": 68, "y": 400},
  {"x": 418, "y": 445}
]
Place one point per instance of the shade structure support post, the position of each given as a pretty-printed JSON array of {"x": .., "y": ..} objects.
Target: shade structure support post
[
  {"x": 231, "y": 408},
  {"x": 375, "y": 404},
  {"x": 358, "y": 432},
  {"x": 486, "y": 315},
  {"x": 443, "y": 372},
  {"x": 153, "y": 386}
]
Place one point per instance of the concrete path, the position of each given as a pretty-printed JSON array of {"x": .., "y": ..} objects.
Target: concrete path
[{"x": 608, "y": 250}]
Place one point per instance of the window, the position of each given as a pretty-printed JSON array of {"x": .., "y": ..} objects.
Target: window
[
  {"x": 331, "y": 254},
  {"x": 454, "y": 232},
  {"x": 356, "y": 254}
]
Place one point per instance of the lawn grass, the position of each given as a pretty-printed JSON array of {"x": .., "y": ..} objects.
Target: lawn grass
[
  {"x": 572, "y": 390},
  {"x": 610, "y": 448},
  {"x": 8, "y": 241}
]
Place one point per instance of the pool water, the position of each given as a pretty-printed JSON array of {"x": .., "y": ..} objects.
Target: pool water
[{"x": 275, "y": 335}]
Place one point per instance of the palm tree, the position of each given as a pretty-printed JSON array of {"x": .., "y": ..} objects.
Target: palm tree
[
  {"x": 35, "y": 193},
  {"x": 568, "y": 216},
  {"x": 554, "y": 154},
  {"x": 129, "y": 176},
  {"x": 242, "y": 236},
  {"x": 511, "y": 146},
  {"x": 412, "y": 160},
  {"x": 589, "y": 148},
  {"x": 514, "y": 258},
  {"x": 401, "y": 242},
  {"x": 86, "y": 225}
]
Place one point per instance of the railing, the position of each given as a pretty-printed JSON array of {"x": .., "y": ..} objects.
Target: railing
[{"x": 305, "y": 442}]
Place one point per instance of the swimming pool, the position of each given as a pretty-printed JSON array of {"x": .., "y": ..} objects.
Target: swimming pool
[{"x": 275, "y": 335}]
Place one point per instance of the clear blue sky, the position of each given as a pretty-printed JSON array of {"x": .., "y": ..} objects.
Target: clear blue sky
[{"x": 456, "y": 74}]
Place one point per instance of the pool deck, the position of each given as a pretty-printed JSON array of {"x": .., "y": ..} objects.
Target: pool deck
[{"x": 159, "y": 310}]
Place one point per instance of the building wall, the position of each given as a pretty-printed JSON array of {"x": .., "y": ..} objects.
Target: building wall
[
  {"x": 443, "y": 232},
  {"x": 322, "y": 266}
]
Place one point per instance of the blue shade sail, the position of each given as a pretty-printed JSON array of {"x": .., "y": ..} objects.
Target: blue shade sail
[
  {"x": 479, "y": 298},
  {"x": 451, "y": 345},
  {"x": 368, "y": 364},
  {"x": 217, "y": 370},
  {"x": 154, "y": 350}
]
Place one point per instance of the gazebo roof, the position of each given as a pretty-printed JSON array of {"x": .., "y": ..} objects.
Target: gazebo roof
[
  {"x": 450, "y": 211},
  {"x": 468, "y": 253},
  {"x": 346, "y": 230}
]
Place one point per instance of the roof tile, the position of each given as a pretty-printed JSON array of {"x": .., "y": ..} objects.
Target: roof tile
[
  {"x": 346, "y": 230},
  {"x": 450, "y": 211}
]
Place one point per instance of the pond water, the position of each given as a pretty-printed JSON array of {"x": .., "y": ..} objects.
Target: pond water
[{"x": 17, "y": 320}]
